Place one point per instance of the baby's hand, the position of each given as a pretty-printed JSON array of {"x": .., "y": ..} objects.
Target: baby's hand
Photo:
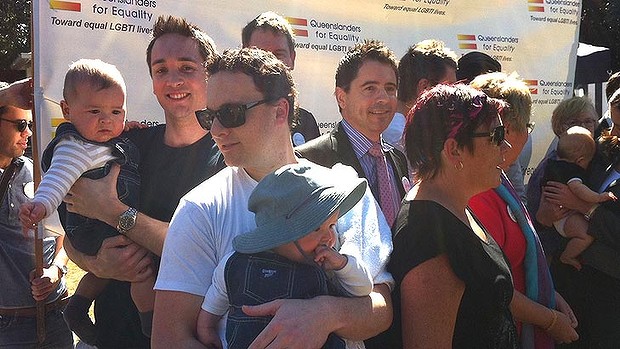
[
  {"x": 607, "y": 196},
  {"x": 329, "y": 258},
  {"x": 31, "y": 213},
  {"x": 130, "y": 125}
]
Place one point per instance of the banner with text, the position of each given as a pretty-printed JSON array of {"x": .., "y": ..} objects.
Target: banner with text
[{"x": 536, "y": 38}]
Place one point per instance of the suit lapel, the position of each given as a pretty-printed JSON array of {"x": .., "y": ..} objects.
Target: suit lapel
[{"x": 341, "y": 145}]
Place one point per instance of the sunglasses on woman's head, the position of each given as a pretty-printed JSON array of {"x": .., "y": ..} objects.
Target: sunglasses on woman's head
[
  {"x": 229, "y": 115},
  {"x": 20, "y": 124},
  {"x": 497, "y": 135}
]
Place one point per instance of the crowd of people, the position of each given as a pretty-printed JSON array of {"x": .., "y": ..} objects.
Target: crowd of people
[{"x": 236, "y": 225}]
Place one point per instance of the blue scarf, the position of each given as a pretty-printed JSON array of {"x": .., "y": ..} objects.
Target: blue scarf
[{"x": 538, "y": 282}]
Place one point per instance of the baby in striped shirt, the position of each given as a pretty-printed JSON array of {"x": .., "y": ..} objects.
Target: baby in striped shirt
[{"x": 87, "y": 146}]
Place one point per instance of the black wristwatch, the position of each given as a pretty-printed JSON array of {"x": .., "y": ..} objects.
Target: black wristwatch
[{"x": 127, "y": 220}]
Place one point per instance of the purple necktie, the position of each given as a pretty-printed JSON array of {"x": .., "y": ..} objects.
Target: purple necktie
[{"x": 386, "y": 194}]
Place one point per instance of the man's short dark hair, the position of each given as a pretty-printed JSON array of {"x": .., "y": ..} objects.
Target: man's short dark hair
[
  {"x": 179, "y": 25},
  {"x": 369, "y": 50},
  {"x": 427, "y": 59},
  {"x": 269, "y": 21},
  {"x": 271, "y": 77},
  {"x": 476, "y": 63}
]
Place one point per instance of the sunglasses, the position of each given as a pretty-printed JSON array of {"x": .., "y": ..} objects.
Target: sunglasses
[
  {"x": 20, "y": 124},
  {"x": 497, "y": 135},
  {"x": 229, "y": 115}
]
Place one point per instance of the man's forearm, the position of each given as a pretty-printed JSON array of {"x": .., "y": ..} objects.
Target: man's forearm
[
  {"x": 118, "y": 258},
  {"x": 363, "y": 317},
  {"x": 148, "y": 232},
  {"x": 174, "y": 320}
]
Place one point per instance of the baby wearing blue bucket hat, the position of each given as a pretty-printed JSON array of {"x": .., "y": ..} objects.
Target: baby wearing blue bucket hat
[{"x": 290, "y": 254}]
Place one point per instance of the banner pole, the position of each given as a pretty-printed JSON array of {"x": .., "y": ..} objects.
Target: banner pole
[{"x": 38, "y": 241}]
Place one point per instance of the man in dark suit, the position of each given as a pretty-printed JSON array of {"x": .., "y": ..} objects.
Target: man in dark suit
[{"x": 366, "y": 85}]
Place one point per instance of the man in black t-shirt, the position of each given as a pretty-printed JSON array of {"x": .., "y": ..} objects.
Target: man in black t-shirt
[{"x": 174, "y": 158}]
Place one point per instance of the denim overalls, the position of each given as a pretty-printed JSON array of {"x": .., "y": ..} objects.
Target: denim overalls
[
  {"x": 253, "y": 279},
  {"x": 87, "y": 234}
]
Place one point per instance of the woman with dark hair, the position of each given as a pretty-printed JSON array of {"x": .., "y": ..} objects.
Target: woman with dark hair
[{"x": 453, "y": 282}]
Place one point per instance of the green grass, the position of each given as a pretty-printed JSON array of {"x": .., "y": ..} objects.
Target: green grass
[{"x": 73, "y": 276}]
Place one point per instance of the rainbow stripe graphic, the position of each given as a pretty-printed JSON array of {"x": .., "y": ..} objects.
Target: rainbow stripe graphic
[
  {"x": 302, "y": 22},
  {"x": 65, "y": 5},
  {"x": 536, "y": 8},
  {"x": 297, "y": 21},
  {"x": 533, "y": 86},
  {"x": 467, "y": 45},
  {"x": 469, "y": 37},
  {"x": 300, "y": 32}
]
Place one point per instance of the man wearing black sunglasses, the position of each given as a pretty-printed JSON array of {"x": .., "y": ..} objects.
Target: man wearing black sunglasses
[
  {"x": 249, "y": 112},
  {"x": 174, "y": 157},
  {"x": 18, "y": 294}
]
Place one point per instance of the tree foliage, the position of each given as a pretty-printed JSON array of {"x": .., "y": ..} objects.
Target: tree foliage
[{"x": 14, "y": 30}]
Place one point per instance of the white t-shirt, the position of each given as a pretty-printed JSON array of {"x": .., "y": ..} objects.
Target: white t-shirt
[{"x": 210, "y": 216}]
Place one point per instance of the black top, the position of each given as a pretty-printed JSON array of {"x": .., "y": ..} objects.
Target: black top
[
  {"x": 562, "y": 171},
  {"x": 167, "y": 174},
  {"x": 424, "y": 230}
]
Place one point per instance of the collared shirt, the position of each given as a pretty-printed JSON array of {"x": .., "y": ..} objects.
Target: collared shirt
[
  {"x": 361, "y": 144},
  {"x": 16, "y": 250}
]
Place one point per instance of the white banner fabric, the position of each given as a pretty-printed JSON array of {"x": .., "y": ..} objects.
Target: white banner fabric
[{"x": 535, "y": 38}]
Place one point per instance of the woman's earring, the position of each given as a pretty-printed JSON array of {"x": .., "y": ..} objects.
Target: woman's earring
[{"x": 459, "y": 166}]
